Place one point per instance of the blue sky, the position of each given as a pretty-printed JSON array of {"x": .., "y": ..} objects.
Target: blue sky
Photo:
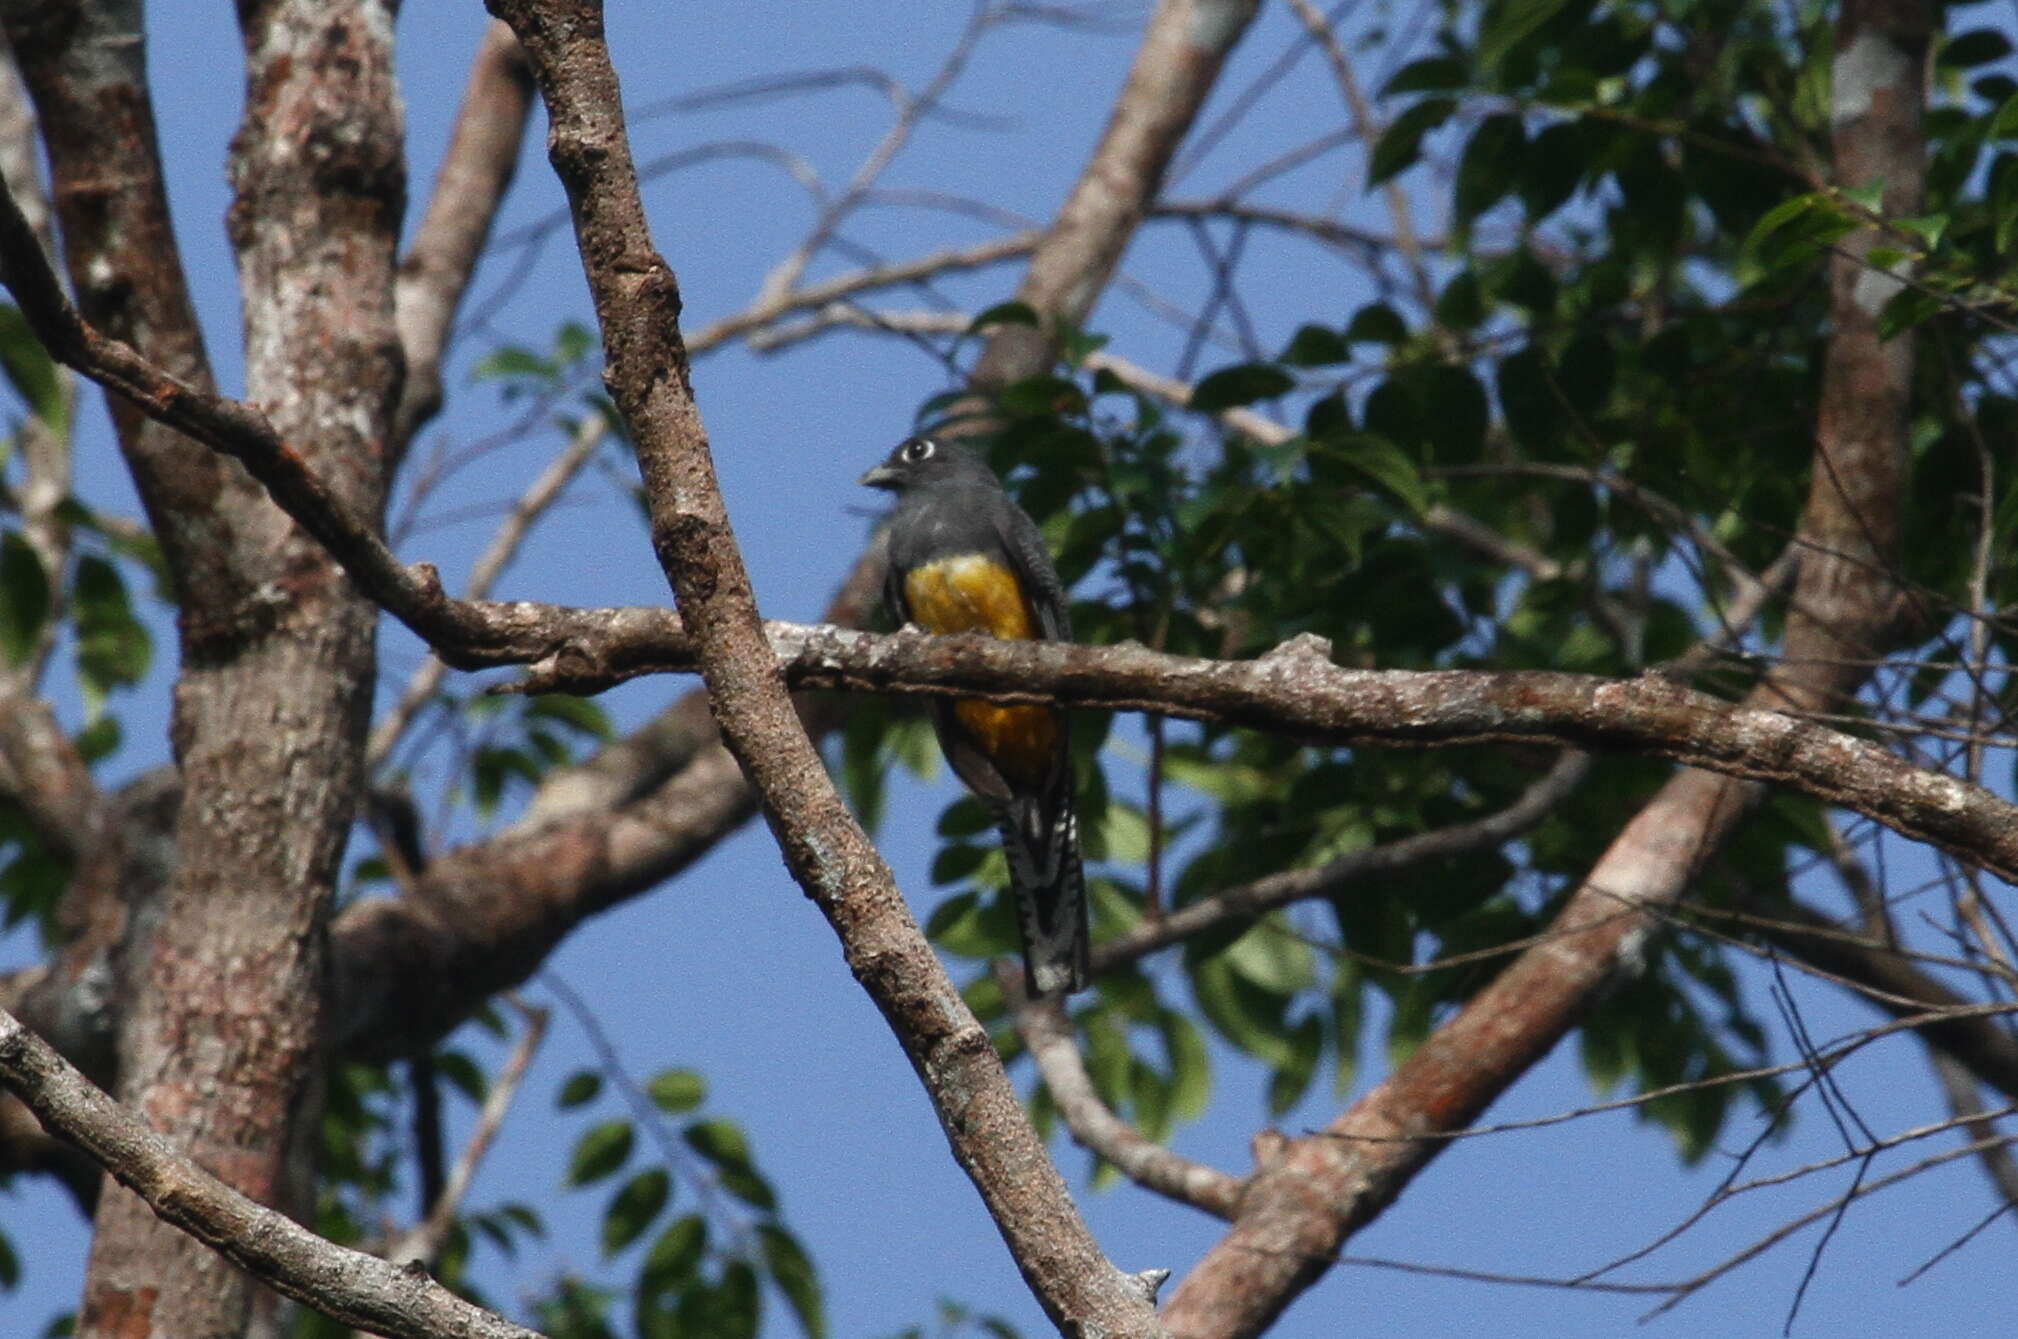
[{"x": 731, "y": 971}]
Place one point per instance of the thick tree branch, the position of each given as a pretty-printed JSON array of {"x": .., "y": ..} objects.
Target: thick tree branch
[
  {"x": 475, "y": 174},
  {"x": 637, "y": 304},
  {"x": 85, "y": 66},
  {"x": 349, "y": 1286},
  {"x": 483, "y": 917}
]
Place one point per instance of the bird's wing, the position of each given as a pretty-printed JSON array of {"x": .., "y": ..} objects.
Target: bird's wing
[{"x": 1031, "y": 561}]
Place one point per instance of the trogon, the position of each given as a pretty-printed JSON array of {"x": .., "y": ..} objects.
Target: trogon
[{"x": 964, "y": 558}]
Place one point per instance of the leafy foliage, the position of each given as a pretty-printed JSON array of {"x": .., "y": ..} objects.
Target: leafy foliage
[
  {"x": 1615, "y": 384},
  {"x": 701, "y": 1270}
]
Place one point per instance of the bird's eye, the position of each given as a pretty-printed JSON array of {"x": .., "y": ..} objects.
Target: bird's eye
[{"x": 921, "y": 449}]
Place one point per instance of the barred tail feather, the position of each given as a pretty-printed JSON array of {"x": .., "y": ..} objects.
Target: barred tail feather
[{"x": 1050, "y": 890}]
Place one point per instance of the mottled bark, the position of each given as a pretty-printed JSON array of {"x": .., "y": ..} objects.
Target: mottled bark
[{"x": 221, "y": 1047}]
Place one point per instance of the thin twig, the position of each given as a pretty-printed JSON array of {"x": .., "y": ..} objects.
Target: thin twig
[
  {"x": 423, "y": 1244},
  {"x": 1047, "y": 1032}
]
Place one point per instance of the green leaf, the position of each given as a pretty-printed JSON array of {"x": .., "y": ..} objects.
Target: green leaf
[
  {"x": 1380, "y": 461},
  {"x": 677, "y": 1090},
  {"x": 24, "y": 598},
  {"x": 1291, "y": 1080},
  {"x": 1042, "y": 397},
  {"x": 578, "y": 714},
  {"x": 1929, "y": 228},
  {"x": 1461, "y": 306},
  {"x": 2004, "y": 125},
  {"x": 32, "y": 371},
  {"x": 720, "y": 1142},
  {"x": 1794, "y": 230},
  {"x": 573, "y": 342},
  {"x": 580, "y": 1089},
  {"x": 1005, "y": 313},
  {"x": 970, "y": 926},
  {"x": 601, "y": 1150},
  {"x": 792, "y": 1270},
  {"x": 1512, "y": 25},
  {"x": 956, "y": 862},
  {"x": 1245, "y": 1015},
  {"x": 1316, "y": 346},
  {"x": 1190, "y": 1065},
  {"x": 723, "y": 1144},
  {"x": 1978, "y": 46},
  {"x": 736, "y": 1308},
  {"x": 1377, "y": 323},
  {"x": 675, "y": 1258},
  {"x": 1557, "y": 159},
  {"x": 1231, "y": 387},
  {"x": 749, "y": 1187},
  {"x": 2004, "y": 200},
  {"x": 10, "y": 1265},
  {"x": 512, "y": 362},
  {"x": 1434, "y": 74},
  {"x": 634, "y": 1208},
  {"x": 462, "y": 1072},
  {"x": 1272, "y": 957},
  {"x": 1401, "y": 143},
  {"x": 1462, "y": 413},
  {"x": 100, "y": 739},
  {"x": 1489, "y": 166}
]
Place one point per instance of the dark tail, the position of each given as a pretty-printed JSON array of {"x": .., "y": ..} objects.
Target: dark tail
[{"x": 1042, "y": 843}]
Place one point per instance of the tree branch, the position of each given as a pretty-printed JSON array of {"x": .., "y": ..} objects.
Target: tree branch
[
  {"x": 1047, "y": 1031},
  {"x": 637, "y": 304},
  {"x": 476, "y": 172},
  {"x": 1175, "y": 69},
  {"x": 1249, "y": 901},
  {"x": 1889, "y": 980},
  {"x": 424, "y": 1243},
  {"x": 358, "y": 1289}
]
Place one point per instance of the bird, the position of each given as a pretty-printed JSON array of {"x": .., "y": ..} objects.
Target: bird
[{"x": 963, "y": 557}]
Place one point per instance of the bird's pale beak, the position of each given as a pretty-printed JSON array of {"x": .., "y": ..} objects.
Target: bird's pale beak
[{"x": 880, "y": 477}]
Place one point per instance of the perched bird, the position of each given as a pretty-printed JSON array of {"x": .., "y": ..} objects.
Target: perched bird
[{"x": 964, "y": 558}]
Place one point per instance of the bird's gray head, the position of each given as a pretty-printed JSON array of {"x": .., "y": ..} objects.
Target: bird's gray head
[{"x": 918, "y": 461}]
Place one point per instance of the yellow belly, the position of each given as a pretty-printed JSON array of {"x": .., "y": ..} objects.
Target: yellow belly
[{"x": 972, "y": 593}]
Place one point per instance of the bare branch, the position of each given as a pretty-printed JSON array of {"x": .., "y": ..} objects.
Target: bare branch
[
  {"x": 475, "y": 174},
  {"x": 1177, "y": 65},
  {"x": 42, "y": 771},
  {"x": 783, "y": 278},
  {"x": 1259, "y": 897},
  {"x": 349, "y": 1286},
  {"x": 1890, "y": 981},
  {"x": 1369, "y": 129},
  {"x": 423, "y": 1244},
  {"x": 1967, "y": 1105},
  {"x": 490, "y": 565},
  {"x": 1047, "y": 1031}
]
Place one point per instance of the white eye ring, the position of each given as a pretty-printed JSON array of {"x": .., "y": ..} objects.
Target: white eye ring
[{"x": 920, "y": 450}]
